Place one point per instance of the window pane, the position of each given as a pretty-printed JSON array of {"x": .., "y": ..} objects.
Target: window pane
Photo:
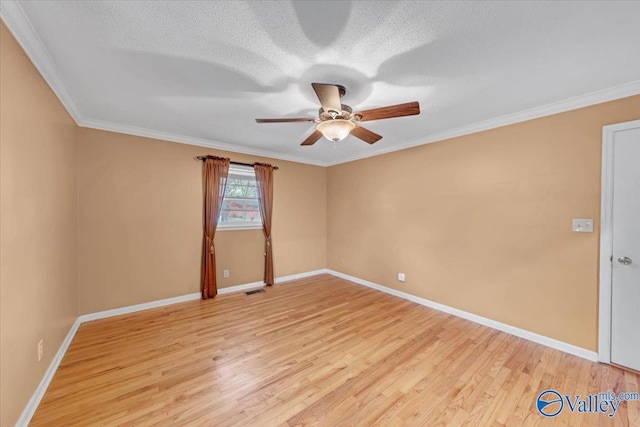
[
  {"x": 252, "y": 205},
  {"x": 240, "y": 204},
  {"x": 252, "y": 192},
  {"x": 236, "y": 211},
  {"x": 253, "y": 216}
]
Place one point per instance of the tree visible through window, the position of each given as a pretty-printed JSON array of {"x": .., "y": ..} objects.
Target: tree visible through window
[{"x": 240, "y": 208}]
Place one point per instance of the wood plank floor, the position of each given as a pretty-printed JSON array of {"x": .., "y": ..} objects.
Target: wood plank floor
[{"x": 318, "y": 351}]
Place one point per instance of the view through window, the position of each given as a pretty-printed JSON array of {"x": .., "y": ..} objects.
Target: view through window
[{"x": 240, "y": 208}]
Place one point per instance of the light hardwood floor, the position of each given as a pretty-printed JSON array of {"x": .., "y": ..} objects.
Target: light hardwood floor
[{"x": 318, "y": 351}]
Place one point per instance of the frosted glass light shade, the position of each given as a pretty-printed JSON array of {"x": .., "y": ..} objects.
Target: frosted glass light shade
[{"x": 336, "y": 129}]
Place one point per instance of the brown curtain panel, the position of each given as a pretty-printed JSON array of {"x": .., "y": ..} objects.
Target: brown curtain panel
[
  {"x": 216, "y": 170},
  {"x": 264, "y": 176}
]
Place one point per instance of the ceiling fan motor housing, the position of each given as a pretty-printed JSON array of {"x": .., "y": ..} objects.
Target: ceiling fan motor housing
[{"x": 346, "y": 113}]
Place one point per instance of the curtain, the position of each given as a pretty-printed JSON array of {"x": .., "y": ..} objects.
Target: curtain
[
  {"x": 264, "y": 176},
  {"x": 216, "y": 170}
]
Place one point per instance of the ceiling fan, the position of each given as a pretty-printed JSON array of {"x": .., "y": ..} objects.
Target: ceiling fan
[{"x": 336, "y": 121}]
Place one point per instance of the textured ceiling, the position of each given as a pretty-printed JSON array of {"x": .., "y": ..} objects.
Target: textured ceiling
[{"x": 202, "y": 71}]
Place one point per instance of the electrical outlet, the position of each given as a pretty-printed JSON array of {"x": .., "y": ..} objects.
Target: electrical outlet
[
  {"x": 401, "y": 277},
  {"x": 225, "y": 273},
  {"x": 40, "y": 349}
]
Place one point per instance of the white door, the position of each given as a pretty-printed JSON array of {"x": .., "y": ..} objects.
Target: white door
[{"x": 625, "y": 268}]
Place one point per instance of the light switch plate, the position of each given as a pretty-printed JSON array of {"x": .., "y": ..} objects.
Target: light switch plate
[{"x": 583, "y": 225}]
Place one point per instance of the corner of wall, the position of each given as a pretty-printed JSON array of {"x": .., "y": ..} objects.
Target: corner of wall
[{"x": 77, "y": 135}]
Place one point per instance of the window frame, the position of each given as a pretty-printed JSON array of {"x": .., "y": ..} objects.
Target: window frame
[{"x": 231, "y": 226}]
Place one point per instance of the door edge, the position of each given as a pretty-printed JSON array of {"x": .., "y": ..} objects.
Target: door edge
[{"x": 606, "y": 238}]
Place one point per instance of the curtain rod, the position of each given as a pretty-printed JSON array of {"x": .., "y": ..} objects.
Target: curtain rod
[{"x": 203, "y": 158}]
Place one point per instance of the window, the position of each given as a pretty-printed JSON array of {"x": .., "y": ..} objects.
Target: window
[{"x": 240, "y": 206}]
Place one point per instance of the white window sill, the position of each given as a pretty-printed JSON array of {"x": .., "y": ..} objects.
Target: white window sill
[{"x": 239, "y": 227}]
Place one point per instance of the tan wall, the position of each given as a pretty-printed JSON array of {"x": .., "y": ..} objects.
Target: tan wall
[
  {"x": 141, "y": 221},
  {"x": 38, "y": 225},
  {"x": 482, "y": 222}
]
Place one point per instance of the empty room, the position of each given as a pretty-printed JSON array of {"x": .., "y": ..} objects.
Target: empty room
[{"x": 319, "y": 213}]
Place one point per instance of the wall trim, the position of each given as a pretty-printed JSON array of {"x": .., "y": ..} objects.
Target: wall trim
[
  {"x": 137, "y": 307},
  {"x": 189, "y": 297},
  {"x": 606, "y": 238},
  {"x": 297, "y": 276},
  {"x": 610, "y": 94},
  {"x": 33, "y": 403},
  {"x": 37, "y": 396},
  {"x": 277, "y": 280},
  {"x": 531, "y": 336},
  {"x": 190, "y": 140},
  {"x": 593, "y": 98},
  {"x": 17, "y": 21}
]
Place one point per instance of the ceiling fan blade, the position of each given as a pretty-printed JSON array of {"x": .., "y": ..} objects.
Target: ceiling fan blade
[
  {"x": 313, "y": 138},
  {"x": 329, "y": 96},
  {"x": 365, "y": 134},
  {"x": 400, "y": 110},
  {"x": 283, "y": 120}
]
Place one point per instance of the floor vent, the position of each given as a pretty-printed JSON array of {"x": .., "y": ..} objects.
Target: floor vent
[{"x": 255, "y": 291}]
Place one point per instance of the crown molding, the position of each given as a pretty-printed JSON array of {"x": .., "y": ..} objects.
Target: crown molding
[
  {"x": 18, "y": 23},
  {"x": 616, "y": 92},
  {"x": 189, "y": 140}
]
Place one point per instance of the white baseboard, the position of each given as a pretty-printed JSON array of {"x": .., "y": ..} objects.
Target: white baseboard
[
  {"x": 301, "y": 275},
  {"x": 31, "y": 407},
  {"x": 531, "y": 336},
  {"x": 238, "y": 288},
  {"x": 190, "y": 297},
  {"x": 138, "y": 307}
]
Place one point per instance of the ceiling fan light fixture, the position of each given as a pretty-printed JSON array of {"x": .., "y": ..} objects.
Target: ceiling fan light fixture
[
  {"x": 336, "y": 121},
  {"x": 336, "y": 129}
]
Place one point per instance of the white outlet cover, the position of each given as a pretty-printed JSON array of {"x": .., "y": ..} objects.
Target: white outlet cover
[
  {"x": 401, "y": 277},
  {"x": 583, "y": 225},
  {"x": 225, "y": 273}
]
